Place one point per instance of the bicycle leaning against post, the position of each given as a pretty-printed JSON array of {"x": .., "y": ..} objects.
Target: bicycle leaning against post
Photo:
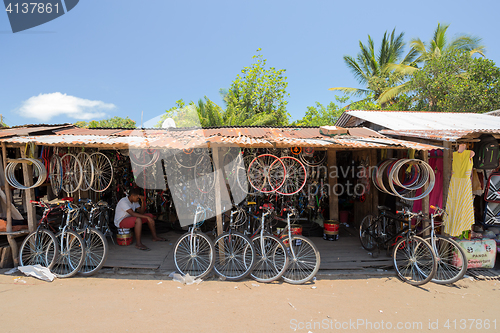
[
  {"x": 451, "y": 259},
  {"x": 271, "y": 254},
  {"x": 234, "y": 252},
  {"x": 304, "y": 258},
  {"x": 413, "y": 258},
  {"x": 39, "y": 247},
  {"x": 70, "y": 243},
  {"x": 194, "y": 250}
]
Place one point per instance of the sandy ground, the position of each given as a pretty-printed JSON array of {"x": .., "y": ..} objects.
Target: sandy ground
[{"x": 153, "y": 303}]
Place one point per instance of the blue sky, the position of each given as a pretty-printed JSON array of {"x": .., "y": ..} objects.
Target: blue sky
[{"x": 121, "y": 57}]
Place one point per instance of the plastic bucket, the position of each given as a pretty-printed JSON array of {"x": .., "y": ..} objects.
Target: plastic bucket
[
  {"x": 124, "y": 237},
  {"x": 331, "y": 230}
]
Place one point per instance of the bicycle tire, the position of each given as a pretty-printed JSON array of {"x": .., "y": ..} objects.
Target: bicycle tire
[
  {"x": 272, "y": 266},
  {"x": 96, "y": 251},
  {"x": 39, "y": 248},
  {"x": 414, "y": 260},
  {"x": 234, "y": 256},
  {"x": 197, "y": 264},
  {"x": 103, "y": 172},
  {"x": 296, "y": 176},
  {"x": 71, "y": 255},
  {"x": 367, "y": 229},
  {"x": 447, "y": 260},
  {"x": 305, "y": 265}
]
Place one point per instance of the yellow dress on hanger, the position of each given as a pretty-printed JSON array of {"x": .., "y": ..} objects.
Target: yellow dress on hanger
[{"x": 459, "y": 204}]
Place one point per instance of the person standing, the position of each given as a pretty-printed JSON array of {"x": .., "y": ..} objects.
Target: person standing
[{"x": 129, "y": 213}]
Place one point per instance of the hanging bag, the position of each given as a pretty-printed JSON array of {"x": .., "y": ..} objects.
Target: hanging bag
[
  {"x": 492, "y": 192},
  {"x": 486, "y": 153}
]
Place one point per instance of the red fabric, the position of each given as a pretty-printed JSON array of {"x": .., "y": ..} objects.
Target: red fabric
[
  {"x": 129, "y": 222},
  {"x": 436, "y": 195}
]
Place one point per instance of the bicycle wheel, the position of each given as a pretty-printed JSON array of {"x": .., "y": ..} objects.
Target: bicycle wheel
[
  {"x": 71, "y": 254},
  {"x": 194, "y": 255},
  {"x": 271, "y": 258},
  {"x": 305, "y": 264},
  {"x": 87, "y": 169},
  {"x": 72, "y": 173},
  {"x": 103, "y": 172},
  {"x": 266, "y": 173},
  {"x": 55, "y": 174},
  {"x": 312, "y": 157},
  {"x": 296, "y": 176},
  {"x": 204, "y": 174},
  {"x": 39, "y": 248},
  {"x": 234, "y": 256},
  {"x": 368, "y": 231},
  {"x": 414, "y": 260},
  {"x": 451, "y": 260},
  {"x": 96, "y": 251}
]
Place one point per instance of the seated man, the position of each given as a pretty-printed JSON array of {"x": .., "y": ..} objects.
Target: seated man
[{"x": 126, "y": 217}]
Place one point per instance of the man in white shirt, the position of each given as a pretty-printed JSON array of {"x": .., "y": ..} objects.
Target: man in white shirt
[{"x": 127, "y": 217}]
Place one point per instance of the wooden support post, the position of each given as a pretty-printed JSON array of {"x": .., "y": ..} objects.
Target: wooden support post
[
  {"x": 219, "y": 183},
  {"x": 332, "y": 181},
  {"x": 373, "y": 189},
  {"x": 447, "y": 161},
  {"x": 8, "y": 196},
  {"x": 425, "y": 200},
  {"x": 29, "y": 194}
]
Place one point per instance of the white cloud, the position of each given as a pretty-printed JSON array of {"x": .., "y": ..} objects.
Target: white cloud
[{"x": 47, "y": 106}]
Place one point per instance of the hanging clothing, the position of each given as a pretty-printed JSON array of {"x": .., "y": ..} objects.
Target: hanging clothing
[
  {"x": 459, "y": 204},
  {"x": 477, "y": 186},
  {"x": 436, "y": 195}
]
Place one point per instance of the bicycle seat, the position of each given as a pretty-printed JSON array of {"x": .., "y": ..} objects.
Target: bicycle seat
[{"x": 383, "y": 208}]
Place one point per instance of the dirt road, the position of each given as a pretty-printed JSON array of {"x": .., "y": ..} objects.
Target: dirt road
[{"x": 151, "y": 303}]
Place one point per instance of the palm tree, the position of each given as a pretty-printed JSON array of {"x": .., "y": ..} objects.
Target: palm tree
[
  {"x": 370, "y": 66},
  {"x": 434, "y": 49}
]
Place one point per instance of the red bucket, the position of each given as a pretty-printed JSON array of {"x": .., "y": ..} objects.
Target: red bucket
[
  {"x": 124, "y": 239},
  {"x": 331, "y": 230}
]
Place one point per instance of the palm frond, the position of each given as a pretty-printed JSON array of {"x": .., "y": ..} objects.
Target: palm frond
[
  {"x": 402, "y": 69},
  {"x": 355, "y": 68},
  {"x": 351, "y": 91},
  {"x": 390, "y": 93}
]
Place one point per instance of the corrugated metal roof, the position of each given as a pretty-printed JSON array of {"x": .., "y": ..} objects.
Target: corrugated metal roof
[
  {"x": 420, "y": 120},
  {"x": 441, "y": 135},
  {"x": 193, "y": 140},
  {"x": 30, "y": 129}
]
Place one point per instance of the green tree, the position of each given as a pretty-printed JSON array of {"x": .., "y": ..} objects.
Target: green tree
[
  {"x": 320, "y": 115},
  {"x": 457, "y": 82},
  {"x": 257, "y": 96},
  {"x": 439, "y": 45},
  {"x": 370, "y": 65},
  {"x": 115, "y": 122}
]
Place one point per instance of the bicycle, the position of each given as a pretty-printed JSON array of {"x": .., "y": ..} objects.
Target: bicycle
[
  {"x": 234, "y": 253},
  {"x": 71, "y": 245},
  {"x": 413, "y": 258},
  {"x": 96, "y": 245},
  {"x": 39, "y": 247},
  {"x": 194, "y": 250},
  {"x": 383, "y": 230},
  {"x": 451, "y": 258},
  {"x": 271, "y": 254},
  {"x": 304, "y": 256}
]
